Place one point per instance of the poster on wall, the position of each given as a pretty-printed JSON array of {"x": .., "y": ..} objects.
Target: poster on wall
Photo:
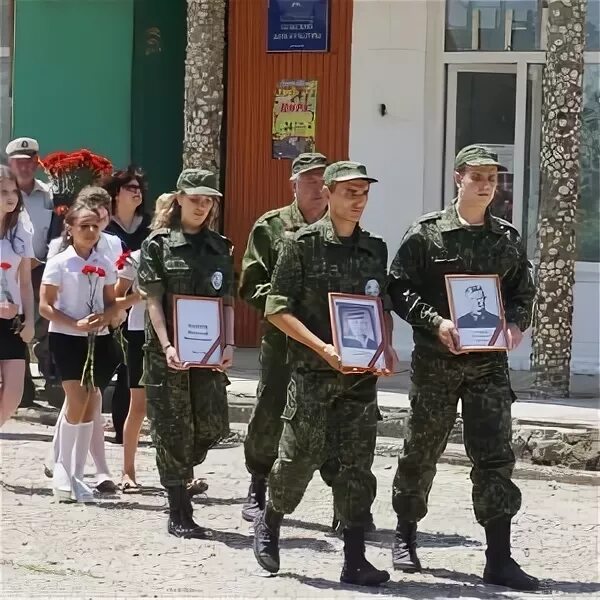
[
  {"x": 294, "y": 118},
  {"x": 298, "y": 26}
]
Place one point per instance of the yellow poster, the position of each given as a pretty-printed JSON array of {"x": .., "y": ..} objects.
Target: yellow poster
[{"x": 294, "y": 118}]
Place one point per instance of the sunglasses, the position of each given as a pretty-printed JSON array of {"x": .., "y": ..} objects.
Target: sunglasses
[{"x": 132, "y": 188}]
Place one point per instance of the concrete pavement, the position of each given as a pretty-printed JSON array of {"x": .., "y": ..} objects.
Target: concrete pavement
[{"x": 119, "y": 547}]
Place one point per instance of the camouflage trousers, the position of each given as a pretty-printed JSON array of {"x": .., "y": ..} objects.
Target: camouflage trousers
[
  {"x": 266, "y": 425},
  {"x": 264, "y": 428},
  {"x": 482, "y": 383},
  {"x": 329, "y": 419},
  {"x": 188, "y": 415}
]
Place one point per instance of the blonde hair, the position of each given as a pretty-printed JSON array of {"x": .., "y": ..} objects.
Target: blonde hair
[
  {"x": 164, "y": 204},
  {"x": 167, "y": 212}
]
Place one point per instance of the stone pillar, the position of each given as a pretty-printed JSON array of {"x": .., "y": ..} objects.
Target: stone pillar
[
  {"x": 204, "y": 85},
  {"x": 556, "y": 253}
]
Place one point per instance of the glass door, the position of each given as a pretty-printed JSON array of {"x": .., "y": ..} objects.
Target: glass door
[{"x": 486, "y": 104}]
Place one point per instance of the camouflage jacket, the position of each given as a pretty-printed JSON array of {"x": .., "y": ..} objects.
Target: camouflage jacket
[
  {"x": 439, "y": 244},
  {"x": 262, "y": 251},
  {"x": 172, "y": 262},
  {"x": 316, "y": 262}
]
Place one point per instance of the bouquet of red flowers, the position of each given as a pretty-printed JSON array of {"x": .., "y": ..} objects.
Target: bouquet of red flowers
[
  {"x": 93, "y": 274},
  {"x": 69, "y": 172}
]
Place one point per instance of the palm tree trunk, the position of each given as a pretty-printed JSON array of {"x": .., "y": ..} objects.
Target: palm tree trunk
[
  {"x": 561, "y": 128},
  {"x": 204, "y": 83}
]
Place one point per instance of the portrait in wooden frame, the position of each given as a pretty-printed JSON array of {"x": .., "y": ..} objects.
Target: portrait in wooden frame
[
  {"x": 477, "y": 311},
  {"x": 359, "y": 332},
  {"x": 198, "y": 330}
]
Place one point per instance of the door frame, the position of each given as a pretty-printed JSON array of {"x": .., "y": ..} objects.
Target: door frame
[{"x": 520, "y": 70}]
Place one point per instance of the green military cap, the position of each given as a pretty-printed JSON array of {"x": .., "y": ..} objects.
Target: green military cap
[
  {"x": 346, "y": 170},
  {"x": 198, "y": 182},
  {"x": 307, "y": 161},
  {"x": 477, "y": 155}
]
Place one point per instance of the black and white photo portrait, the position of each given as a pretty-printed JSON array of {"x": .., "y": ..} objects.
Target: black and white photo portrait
[
  {"x": 357, "y": 328},
  {"x": 477, "y": 315},
  {"x": 476, "y": 309}
]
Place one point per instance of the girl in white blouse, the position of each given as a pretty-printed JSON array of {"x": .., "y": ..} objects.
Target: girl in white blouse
[
  {"x": 111, "y": 247},
  {"x": 77, "y": 289},
  {"x": 16, "y": 294}
]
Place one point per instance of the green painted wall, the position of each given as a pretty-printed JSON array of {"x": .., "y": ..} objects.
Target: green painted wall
[
  {"x": 160, "y": 28},
  {"x": 72, "y": 75}
]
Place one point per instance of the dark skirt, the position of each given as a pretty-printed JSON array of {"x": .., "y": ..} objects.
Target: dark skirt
[
  {"x": 135, "y": 357},
  {"x": 69, "y": 353},
  {"x": 12, "y": 347}
]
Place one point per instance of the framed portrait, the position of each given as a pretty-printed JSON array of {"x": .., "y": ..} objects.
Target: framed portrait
[
  {"x": 476, "y": 309},
  {"x": 198, "y": 324},
  {"x": 359, "y": 334}
]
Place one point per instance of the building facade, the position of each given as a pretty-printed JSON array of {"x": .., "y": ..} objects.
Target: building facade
[
  {"x": 401, "y": 86},
  {"x": 459, "y": 72}
]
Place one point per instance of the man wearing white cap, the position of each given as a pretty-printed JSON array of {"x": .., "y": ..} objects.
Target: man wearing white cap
[{"x": 23, "y": 161}]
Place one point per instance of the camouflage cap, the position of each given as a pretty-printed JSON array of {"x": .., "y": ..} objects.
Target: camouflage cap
[
  {"x": 346, "y": 170},
  {"x": 307, "y": 161},
  {"x": 477, "y": 155},
  {"x": 198, "y": 182}
]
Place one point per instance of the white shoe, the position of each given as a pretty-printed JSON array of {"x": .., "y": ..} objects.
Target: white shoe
[
  {"x": 81, "y": 492},
  {"x": 61, "y": 484}
]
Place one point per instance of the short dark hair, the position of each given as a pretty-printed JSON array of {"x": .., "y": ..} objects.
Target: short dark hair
[{"x": 113, "y": 184}]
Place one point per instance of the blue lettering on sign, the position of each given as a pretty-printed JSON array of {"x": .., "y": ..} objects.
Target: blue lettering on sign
[{"x": 298, "y": 26}]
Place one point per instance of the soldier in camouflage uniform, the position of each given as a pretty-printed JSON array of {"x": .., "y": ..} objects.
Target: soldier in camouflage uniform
[
  {"x": 187, "y": 407},
  {"x": 266, "y": 237},
  {"x": 463, "y": 239},
  {"x": 329, "y": 416}
]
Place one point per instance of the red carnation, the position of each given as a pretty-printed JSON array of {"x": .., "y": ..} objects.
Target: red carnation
[
  {"x": 89, "y": 270},
  {"x": 123, "y": 259},
  {"x": 5, "y": 266},
  {"x": 61, "y": 210},
  {"x": 100, "y": 272}
]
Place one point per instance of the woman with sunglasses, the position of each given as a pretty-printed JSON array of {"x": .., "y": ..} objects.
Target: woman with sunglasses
[{"x": 129, "y": 222}]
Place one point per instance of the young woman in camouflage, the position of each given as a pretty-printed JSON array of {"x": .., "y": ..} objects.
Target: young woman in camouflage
[{"x": 187, "y": 407}]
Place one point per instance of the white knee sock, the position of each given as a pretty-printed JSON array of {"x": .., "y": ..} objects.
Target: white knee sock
[
  {"x": 53, "y": 458},
  {"x": 63, "y": 468},
  {"x": 97, "y": 449},
  {"x": 81, "y": 491}
]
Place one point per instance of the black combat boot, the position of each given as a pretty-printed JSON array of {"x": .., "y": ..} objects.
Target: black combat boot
[
  {"x": 500, "y": 568},
  {"x": 338, "y": 528},
  {"x": 404, "y": 551},
  {"x": 255, "y": 503},
  {"x": 357, "y": 569},
  {"x": 266, "y": 539},
  {"x": 181, "y": 524}
]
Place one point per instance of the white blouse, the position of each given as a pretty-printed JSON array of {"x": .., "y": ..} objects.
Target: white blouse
[
  {"x": 78, "y": 293},
  {"x": 23, "y": 248},
  {"x": 110, "y": 245},
  {"x": 135, "y": 321}
]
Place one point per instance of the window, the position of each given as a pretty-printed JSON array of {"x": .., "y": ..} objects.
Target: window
[
  {"x": 493, "y": 25},
  {"x": 588, "y": 213},
  {"x": 498, "y": 25}
]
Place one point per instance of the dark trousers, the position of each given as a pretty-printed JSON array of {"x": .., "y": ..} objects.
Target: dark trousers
[{"x": 121, "y": 397}]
